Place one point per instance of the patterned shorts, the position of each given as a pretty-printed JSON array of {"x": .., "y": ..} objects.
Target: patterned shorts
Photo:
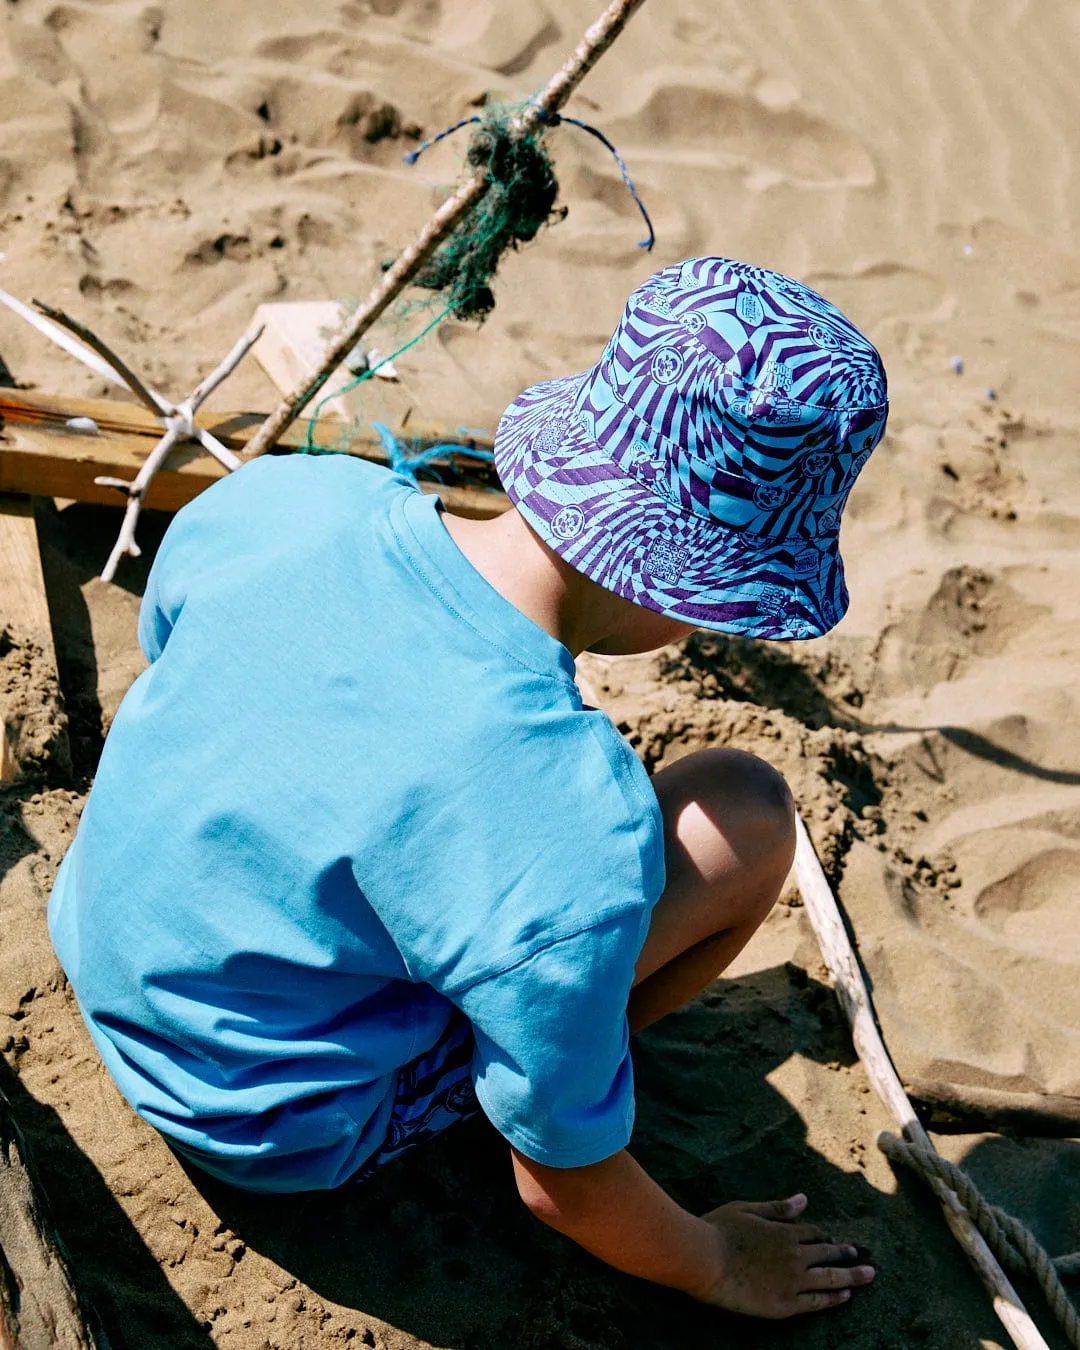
[{"x": 434, "y": 1091}]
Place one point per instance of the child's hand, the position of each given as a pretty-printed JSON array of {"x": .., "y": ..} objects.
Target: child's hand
[
  {"x": 746, "y": 1258},
  {"x": 769, "y": 1265}
]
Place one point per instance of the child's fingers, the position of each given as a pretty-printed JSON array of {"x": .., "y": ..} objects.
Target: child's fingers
[
  {"x": 819, "y": 1278},
  {"x": 828, "y": 1254},
  {"x": 782, "y": 1211},
  {"x": 819, "y": 1300}
]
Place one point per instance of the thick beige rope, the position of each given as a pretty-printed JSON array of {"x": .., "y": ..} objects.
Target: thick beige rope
[{"x": 1014, "y": 1244}]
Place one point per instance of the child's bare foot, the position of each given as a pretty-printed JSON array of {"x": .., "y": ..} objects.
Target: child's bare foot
[{"x": 773, "y": 1266}]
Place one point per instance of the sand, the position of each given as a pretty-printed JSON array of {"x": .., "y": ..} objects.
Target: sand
[{"x": 165, "y": 169}]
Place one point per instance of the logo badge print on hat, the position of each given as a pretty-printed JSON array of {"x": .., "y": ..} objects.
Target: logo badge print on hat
[{"x": 700, "y": 468}]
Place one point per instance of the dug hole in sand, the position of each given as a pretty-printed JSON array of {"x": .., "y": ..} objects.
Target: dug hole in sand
[{"x": 163, "y": 172}]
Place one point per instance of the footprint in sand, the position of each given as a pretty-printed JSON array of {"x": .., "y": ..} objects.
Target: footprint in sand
[
  {"x": 685, "y": 119},
  {"x": 974, "y": 613},
  {"x": 112, "y": 52},
  {"x": 500, "y": 37},
  {"x": 496, "y": 36},
  {"x": 1033, "y": 904}
]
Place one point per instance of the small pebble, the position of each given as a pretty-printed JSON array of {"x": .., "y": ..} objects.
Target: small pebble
[
  {"x": 957, "y": 363},
  {"x": 357, "y": 359},
  {"x": 968, "y": 250},
  {"x": 85, "y": 424},
  {"x": 991, "y": 394}
]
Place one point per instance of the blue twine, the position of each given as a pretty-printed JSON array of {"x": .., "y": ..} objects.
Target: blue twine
[
  {"x": 554, "y": 119},
  {"x": 401, "y": 462},
  {"x": 595, "y": 131},
  {"x": 414, "y": 155}
]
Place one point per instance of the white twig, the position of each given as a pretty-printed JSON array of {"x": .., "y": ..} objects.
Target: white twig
[
  {"x": 56, "y": 334},
  {"x": 854, "y": 997},
  {"x": 180, "y": 424},
  {"x": 150, "y": 397},
  {"x": 220, "y": 452},
  {"x": 178, "y": 419},
  {"x": 217, "y": 376},
  {"x": 136, "y": 489}
]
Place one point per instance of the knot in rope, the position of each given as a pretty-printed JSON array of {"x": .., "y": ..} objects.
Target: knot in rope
[{"x": 1014, "y": 1244}]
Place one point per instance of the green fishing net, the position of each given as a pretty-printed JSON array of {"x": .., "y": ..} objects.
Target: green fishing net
[{"x": 520, "y": 199}]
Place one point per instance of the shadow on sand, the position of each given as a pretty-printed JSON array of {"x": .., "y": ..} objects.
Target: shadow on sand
[
  {"x": 747, "y": 671},
  {"x": 127, "y": 1292},
  {"x": 73, "y": 551},
  {"x": 440, "y": 1247}
]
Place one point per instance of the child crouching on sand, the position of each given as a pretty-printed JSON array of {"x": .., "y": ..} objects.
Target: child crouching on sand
[{"x": 357, "y": 861}]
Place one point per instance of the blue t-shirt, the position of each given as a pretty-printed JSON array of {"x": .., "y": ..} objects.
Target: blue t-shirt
[{"x": 355, "y": 789}]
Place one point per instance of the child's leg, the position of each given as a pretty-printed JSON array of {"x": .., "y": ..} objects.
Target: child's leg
[
  {"x": 729, "y": 826},
  {"x": 729, "y": 829},
  {"x": 730, "y": 839}
]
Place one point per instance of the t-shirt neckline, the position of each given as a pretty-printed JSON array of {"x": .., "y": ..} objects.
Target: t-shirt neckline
[{"x": 417, "y": 520}]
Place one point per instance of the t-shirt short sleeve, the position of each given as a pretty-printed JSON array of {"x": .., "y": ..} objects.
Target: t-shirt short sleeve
[{"x": 552, "y": 1067}]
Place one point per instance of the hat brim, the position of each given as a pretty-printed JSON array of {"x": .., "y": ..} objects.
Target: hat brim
[{"x": 630, "y": 539}]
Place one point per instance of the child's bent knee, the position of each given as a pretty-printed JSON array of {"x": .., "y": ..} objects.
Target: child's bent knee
[{"x": 743, "y": 804}]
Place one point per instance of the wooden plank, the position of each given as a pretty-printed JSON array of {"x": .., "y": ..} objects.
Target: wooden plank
[
  {"x": 39, "y": 1305},
  {"x": 23, "y": 604},
  {"x": 234, "y": 429},
  {"x": 41, "y": 454},
  {"x": 969, "y": 1108},
  {"x": 24, "y": 617},
  {"x": 293, "y": 343}
]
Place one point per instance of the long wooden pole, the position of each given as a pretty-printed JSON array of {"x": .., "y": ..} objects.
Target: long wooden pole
[
  {"x": 592, "y": 46},
  {"x": 851, "y": 990}
]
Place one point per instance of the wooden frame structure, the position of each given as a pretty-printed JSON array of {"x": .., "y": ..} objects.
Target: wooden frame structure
[{"x": 58, "y": 447}]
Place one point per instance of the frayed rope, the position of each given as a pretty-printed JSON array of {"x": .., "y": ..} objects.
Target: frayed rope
[{"x": 554, "y": 120}]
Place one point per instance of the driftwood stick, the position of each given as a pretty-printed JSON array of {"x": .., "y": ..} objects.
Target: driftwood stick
[
  {"x": 1012, "y": 1242},
  {"x": 406, "y": 266},
  {"x": 213, "y": 446},
  {"x": 56, "y": 334},
  {"x": 178, "y": 419},
  {"x": 142, "y": 392},
  {"x": 125, "y": 540},
  {"x": 180, "y": 426},
  {"x": 220, "y": 373},
  {"x": 854, "y": 997},
  {"x": 38, "y": 1303},
  {"x": 966, "y": 1106},
  {"x": 408, "y": 263}
]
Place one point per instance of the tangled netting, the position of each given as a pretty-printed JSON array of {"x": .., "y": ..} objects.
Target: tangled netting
[
  {"x": 1014, "y": 1245},
  {"x": 520, "y": 198},
  {"x": 519, "y": 201}
]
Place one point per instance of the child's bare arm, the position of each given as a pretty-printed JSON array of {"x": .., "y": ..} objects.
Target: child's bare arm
[
  {"x": 747, "y": 1258},
  {"x": 617, "y": 1212}
]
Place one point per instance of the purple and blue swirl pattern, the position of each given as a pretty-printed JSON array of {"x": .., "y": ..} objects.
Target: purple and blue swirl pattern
[{"x": 700, "y": 468}]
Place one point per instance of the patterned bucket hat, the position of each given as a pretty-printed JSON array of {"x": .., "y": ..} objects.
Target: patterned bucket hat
[{"x": 701, "y": 466}]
